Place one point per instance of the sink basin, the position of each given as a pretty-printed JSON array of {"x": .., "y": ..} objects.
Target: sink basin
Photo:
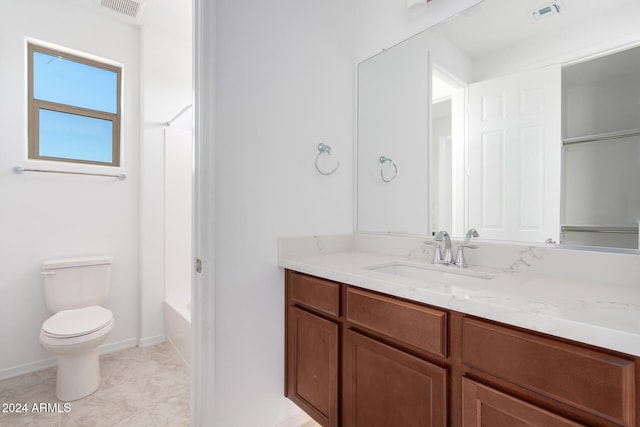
[{"x": 443, "y": 274}]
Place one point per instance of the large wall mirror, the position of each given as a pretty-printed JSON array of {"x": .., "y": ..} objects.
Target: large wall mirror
[{"x": 518, "y": 118}]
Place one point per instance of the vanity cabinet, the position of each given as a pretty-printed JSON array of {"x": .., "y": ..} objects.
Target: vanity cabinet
[
  {"x": 357, "y": 358},
  {"x": 313, "y": 346}
]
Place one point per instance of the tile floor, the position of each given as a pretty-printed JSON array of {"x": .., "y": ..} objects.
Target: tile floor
[{"x": 141, "y": 387}]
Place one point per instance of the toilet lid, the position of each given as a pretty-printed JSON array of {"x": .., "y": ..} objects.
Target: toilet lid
[{"x": 81, "y": 321}]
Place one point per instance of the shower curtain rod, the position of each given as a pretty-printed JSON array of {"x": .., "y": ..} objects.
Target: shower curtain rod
[{"x": 168, "y": 123}]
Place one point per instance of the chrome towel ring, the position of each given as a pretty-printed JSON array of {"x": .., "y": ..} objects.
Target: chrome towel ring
[
  {"x": 384, "y": 160},
  {"x": 325, "y": 149}
]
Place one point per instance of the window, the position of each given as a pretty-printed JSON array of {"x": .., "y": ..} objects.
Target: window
[{"x": 74, "y": 108}]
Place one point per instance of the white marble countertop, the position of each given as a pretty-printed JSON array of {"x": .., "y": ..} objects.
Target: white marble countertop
[{"x": 580, "y": 309}]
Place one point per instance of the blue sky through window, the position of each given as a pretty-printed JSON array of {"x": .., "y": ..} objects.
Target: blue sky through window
[
  {"x": 68, "y": 82},
  {"x": 73, "y": 136}
]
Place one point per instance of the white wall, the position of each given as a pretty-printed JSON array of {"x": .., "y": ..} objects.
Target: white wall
[
  {"x": 45, "y": 216},
  {"x": 284, "y": 83}
]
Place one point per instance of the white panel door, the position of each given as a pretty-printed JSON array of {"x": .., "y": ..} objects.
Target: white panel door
[{"x": 515, "y": 156}]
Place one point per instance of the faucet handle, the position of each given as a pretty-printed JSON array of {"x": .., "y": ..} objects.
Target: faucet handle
[
  {"x": 460, "y": 261},
  {"x": 437, "y": 253}
]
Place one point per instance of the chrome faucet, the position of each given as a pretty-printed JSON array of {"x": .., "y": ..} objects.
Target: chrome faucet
[
  {"x": 438, "y": 258},
  {"x": 460, "y": 261}
]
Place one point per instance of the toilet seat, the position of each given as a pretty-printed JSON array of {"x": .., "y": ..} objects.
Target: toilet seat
[{"x": 77, "y": 322}]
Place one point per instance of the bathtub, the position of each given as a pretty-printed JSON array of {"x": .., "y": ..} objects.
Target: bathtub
[{"x": 177, "y": 326}]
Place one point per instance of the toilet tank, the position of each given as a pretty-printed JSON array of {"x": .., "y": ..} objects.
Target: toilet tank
[{"x": 76, "y": 282}]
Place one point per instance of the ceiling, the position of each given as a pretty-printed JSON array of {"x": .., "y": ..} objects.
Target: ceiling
[
  {"x": 493, "y": 31},
  {"x": 172, "y": 16}
]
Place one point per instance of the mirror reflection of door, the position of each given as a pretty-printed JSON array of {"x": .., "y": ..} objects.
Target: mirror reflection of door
[
  {"x": 447, "y": 152},
  {"x": 514, "y": 156}
]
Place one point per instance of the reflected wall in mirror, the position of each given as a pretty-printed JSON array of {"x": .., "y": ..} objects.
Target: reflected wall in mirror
[{"x": 523, "y": 127}]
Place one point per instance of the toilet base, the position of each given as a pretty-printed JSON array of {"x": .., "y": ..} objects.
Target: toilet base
[{"x": 78, "y": 375}]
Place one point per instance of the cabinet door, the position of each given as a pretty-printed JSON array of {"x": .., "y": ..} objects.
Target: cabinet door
[
  {"x": 312, "y": 365},
  {"x": 383, "y": 386},
  {"x": 486, "y": 407}
]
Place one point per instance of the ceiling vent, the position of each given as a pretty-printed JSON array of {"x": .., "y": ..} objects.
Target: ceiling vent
[
  {"x": 128, "y": 9},
  {"x": 548, "y": 10}
]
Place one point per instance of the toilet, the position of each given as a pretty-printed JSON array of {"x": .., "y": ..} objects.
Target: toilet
[{"x": 75, "y": 290}]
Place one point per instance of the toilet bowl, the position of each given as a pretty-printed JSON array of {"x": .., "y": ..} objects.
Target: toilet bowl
[
  {"x": 74, "y": 336},
  {"x": 75, "y": 288}
]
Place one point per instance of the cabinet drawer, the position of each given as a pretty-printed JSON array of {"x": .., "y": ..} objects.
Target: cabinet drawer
[
  {"x": 595, "y": 382},
  {"x": 484, "y": 406},
  {"x": 315, "y": 293},
  {"x": 412, "y": 324}
]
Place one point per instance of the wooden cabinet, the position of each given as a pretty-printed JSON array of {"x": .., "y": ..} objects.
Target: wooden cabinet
[
  {"x": 380, "y": 372},
  {"x": 313, "y": 346},
  {"x": 313, "y": 365},
  {"x": 383, "y": 386},
  {"x": 412, "y": 325},
  {"x": 590, "y": 381},
  {"x": 357, "y": 358},
  {"x": 316, "y": 294},
  {"x": 484, "y": 406}
]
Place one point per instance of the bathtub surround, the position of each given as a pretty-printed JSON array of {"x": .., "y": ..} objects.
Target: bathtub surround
[{"x": 177, "y": 326}]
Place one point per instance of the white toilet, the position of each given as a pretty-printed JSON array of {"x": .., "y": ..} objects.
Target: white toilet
[{"x": 75, "y": 289}]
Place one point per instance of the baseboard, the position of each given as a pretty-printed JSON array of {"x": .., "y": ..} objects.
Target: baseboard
[
  {"x": 51, "y": 362},
  {"x": 149, "y": 341},
  {"x": 117, "y": 346},
  {"x": 27, "y": 368}
]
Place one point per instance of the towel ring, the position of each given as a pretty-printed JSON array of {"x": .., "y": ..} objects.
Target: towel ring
[
  {"x": 325, "y": 149},
  {"x": 384, "y": 160}
]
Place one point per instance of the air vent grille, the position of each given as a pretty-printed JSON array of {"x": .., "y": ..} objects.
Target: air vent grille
[
  {"x": 548, "y": 10},
  {"x": 130, "y": 8}
]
